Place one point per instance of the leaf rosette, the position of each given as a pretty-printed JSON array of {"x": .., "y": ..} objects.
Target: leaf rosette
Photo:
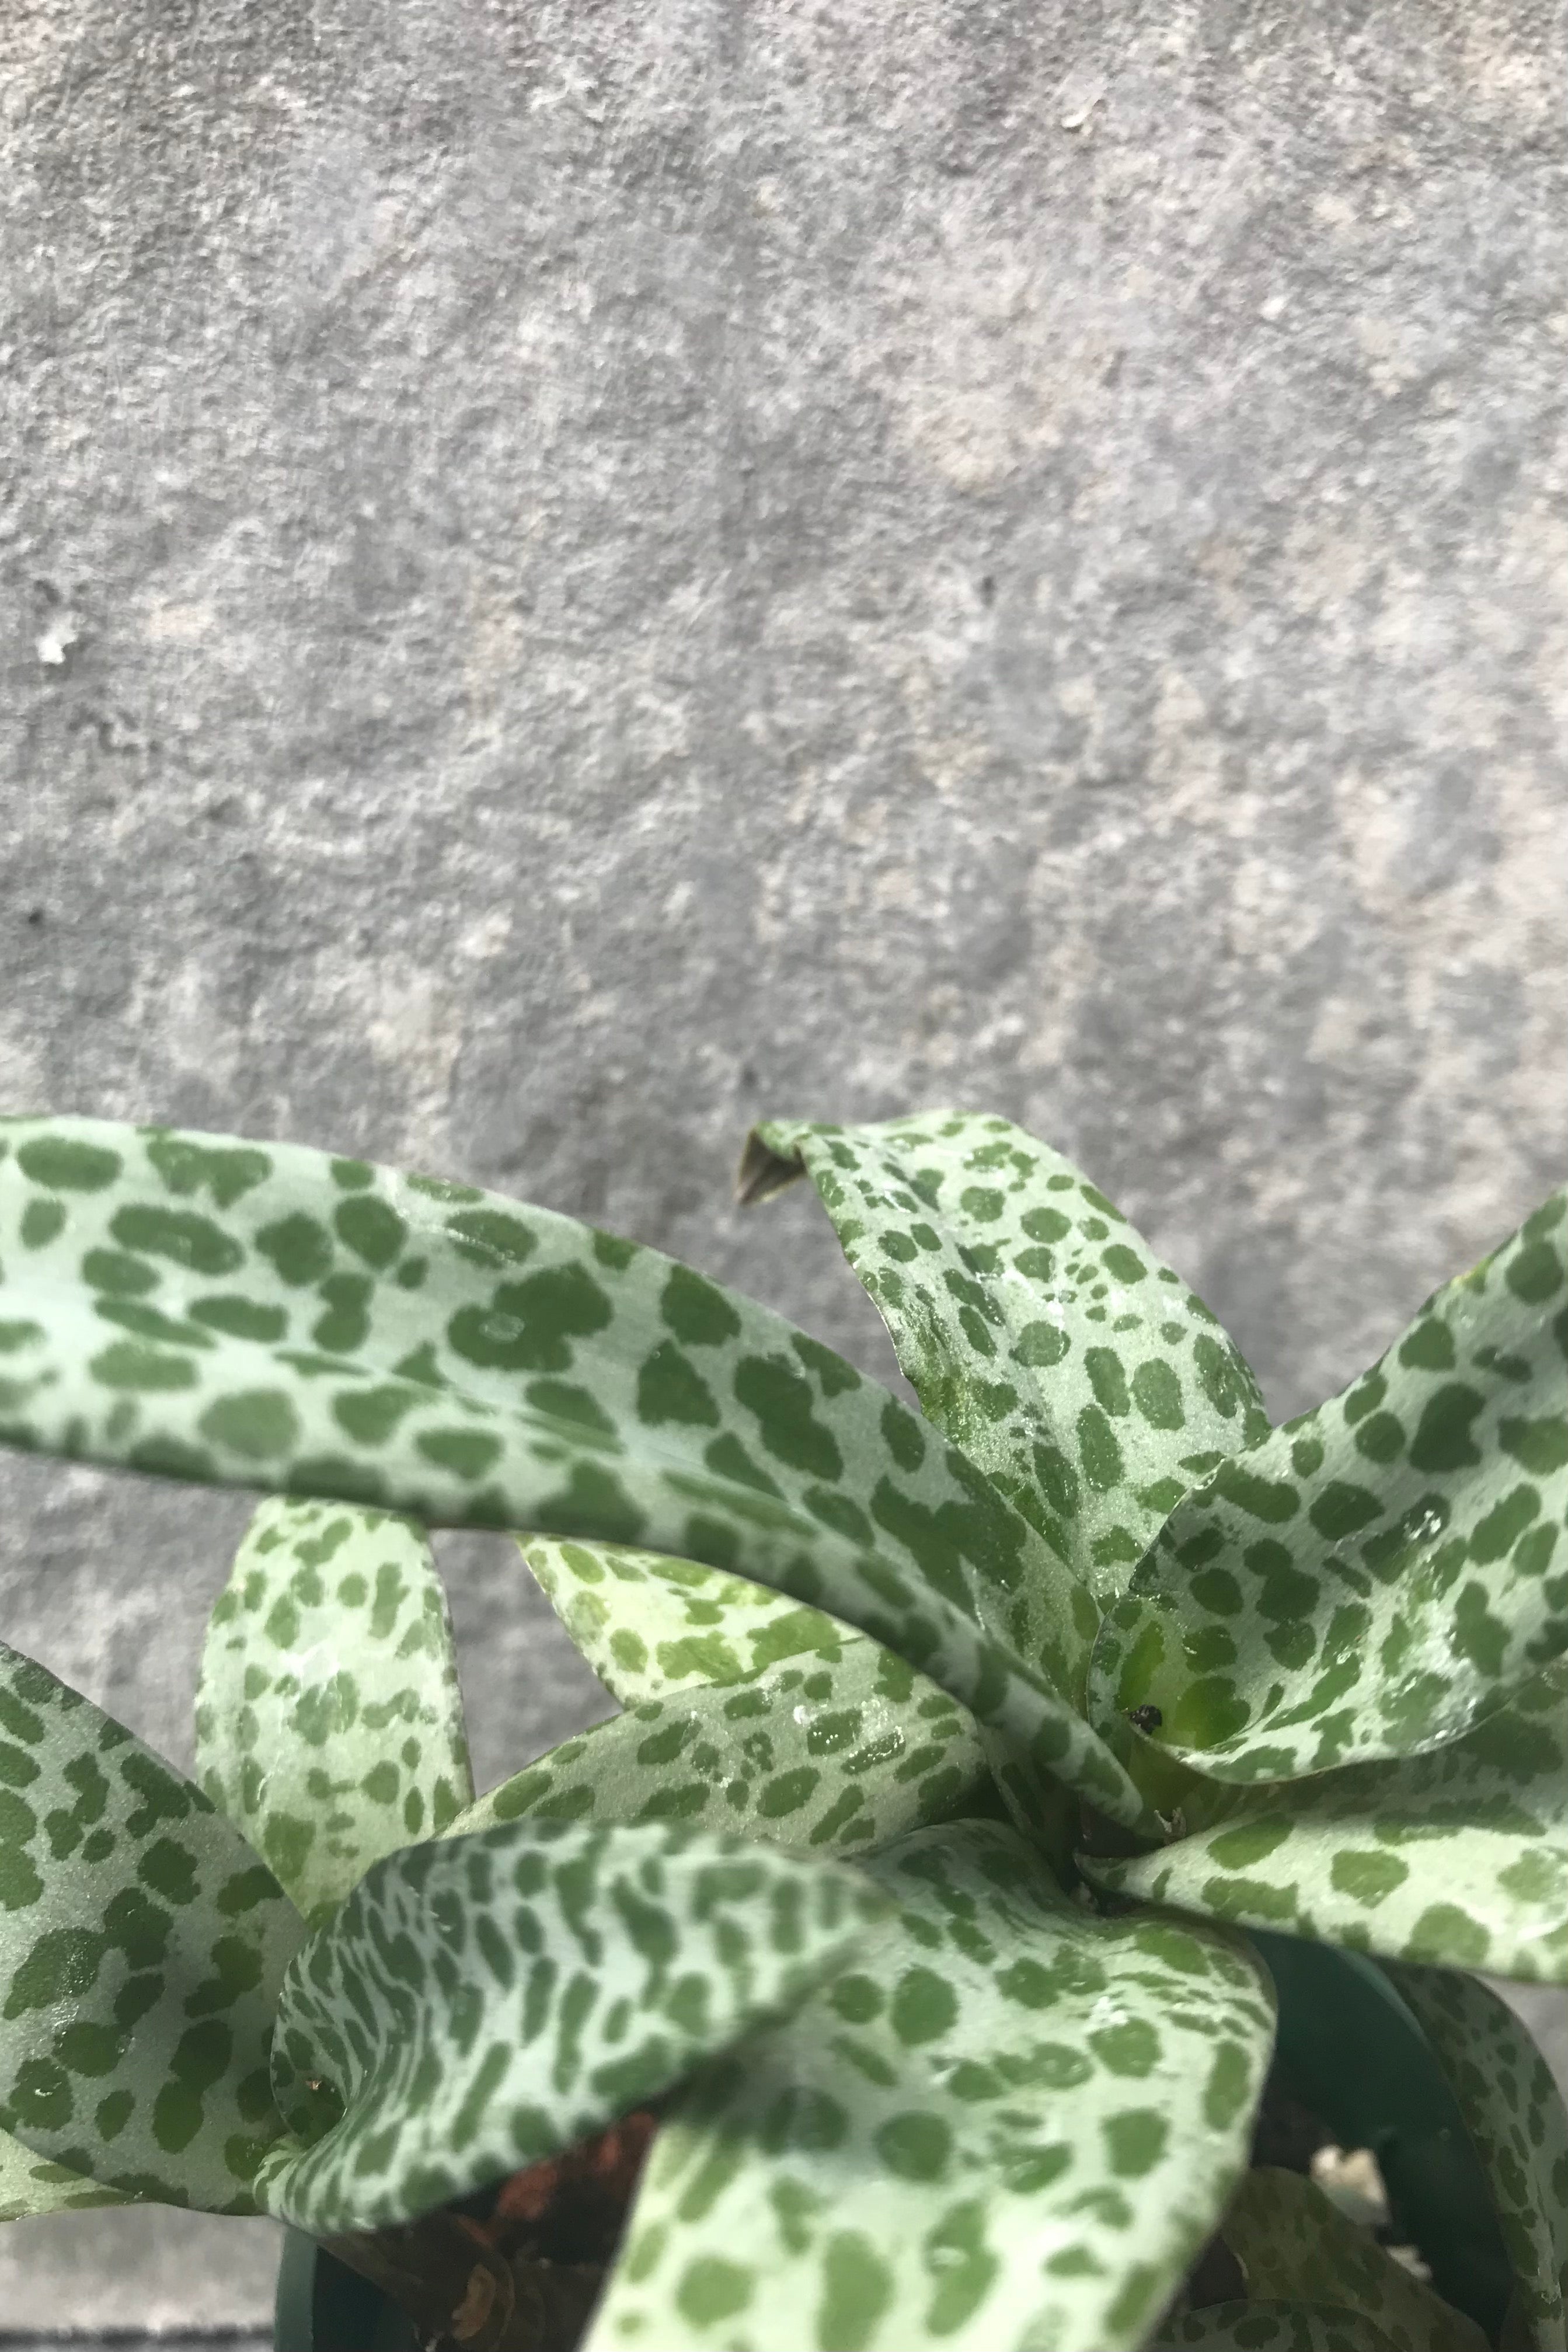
[{"x": 957, "y": 1753}]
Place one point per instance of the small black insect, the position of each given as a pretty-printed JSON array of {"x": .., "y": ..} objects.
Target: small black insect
[{"x": 1144, "y": 1719}]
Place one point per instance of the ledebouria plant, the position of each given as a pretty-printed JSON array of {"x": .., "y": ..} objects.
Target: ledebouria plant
[{"x": 961, "y": 1752}]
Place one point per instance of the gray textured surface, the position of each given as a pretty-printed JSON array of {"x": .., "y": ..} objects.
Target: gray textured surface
[
  {"x": 166, "y": 2273},
  {"x": 573, "y": 574}
]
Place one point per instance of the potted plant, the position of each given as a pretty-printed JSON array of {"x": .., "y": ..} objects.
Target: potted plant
[{"x": 993, "y": 1785}]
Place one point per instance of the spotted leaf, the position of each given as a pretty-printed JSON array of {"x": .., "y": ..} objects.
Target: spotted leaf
[
  {"x": 480, "y": 2001},
  {"x": 1378, "y": 1576},
  {"x": 1514, "y": 2114},
  {"x": 1036, "y": 1326},
  {"x": 858, "y": 1745},
  {"x": 651, "y": 1626},
  {"x": 1271, "y": 2328},
  {"x": 329, "y": 1721},
  {"x": 31, "y": 2185},
  {"x": 142, "y": 1946},
  {"x": 1457, "y": 1857},
  {"x": 1008, "y": 2122},
  {"x": 829, "y": 1750},
  {"x": 269, "y": 1316},
  {"x": 1292, "y": 2241}
]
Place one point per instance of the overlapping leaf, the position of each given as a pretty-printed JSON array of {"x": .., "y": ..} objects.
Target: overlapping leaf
[
  {"x": 1378, "y": 1576},
  {"x": 31, "y": 2185},
  {"x": 1514, "y": 2114},
  {"x": 1271, "y": 2328},
  {"x": 329, "y": 1720},
  {"x": 142, "y": 1946},
  {"x": 1008, "y": 2123},
  {"x": 1036, "y": 1326},
  {"x": 219, "y": 1310},
  {"x": 1293, "y": 2243},
  {"x": 482, "y": 2002},
  {"x": 1455, "y": 1857},
  {"x": 747, "y": 1711},
  {"x": 654, "y": 1627},
  {"x": 830, "y": 1758},
  {"x": 883, "y": 1751}
]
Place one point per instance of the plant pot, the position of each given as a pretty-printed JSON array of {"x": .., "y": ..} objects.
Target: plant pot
[
  {"x": 323, "y": 2307},
  {"x": 1349, "y": 2050}
]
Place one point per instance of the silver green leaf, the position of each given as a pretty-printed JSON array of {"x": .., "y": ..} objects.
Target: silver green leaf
[
  {"x": 1293, "y": 2243},
  {"x": 329, "y": 1720},
  {"x": 1514, "y": 2114},
  {"x": 1378, "y": 1576},
  {"x": 1455, "y": 1857},
  {"x": 142, "y": 1946},
  {"x": 1035, "y": 1325},
  {"x": 31, "y": 2185},
  {"x": 265, "y": 1316},
  {"x": 1009, "y": 2123},
  {"x": 1271, "y": 2328},
  {"x": 482, "y": 2002},
  {"x": 830, "y": 1753},
  {"x": 654, "y": 1627}
]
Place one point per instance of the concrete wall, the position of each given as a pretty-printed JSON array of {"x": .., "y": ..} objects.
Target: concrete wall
[{"x": 573, "y": 573}]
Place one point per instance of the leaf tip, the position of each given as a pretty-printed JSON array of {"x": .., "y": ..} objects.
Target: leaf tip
[{"x": 764, "y": 1171}]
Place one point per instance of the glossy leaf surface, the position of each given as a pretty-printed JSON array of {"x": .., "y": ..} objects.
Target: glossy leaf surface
[
  {"x": 1514, "y": 2114},
  {"x": 265, "y": 1315},
  {"x": 1008, "y": 2123},
  {"x": 329, "y": 1720},
  {"x": 142, "y": 1946},
  {"x": 828, "y": 1755},
  {"x": 1382, "y": 1573},
  {"x": 1036, "y": 1326},
  {"x": 1271, "y": 2328},
  {"x": 1294, "y": 2244},
  {"x": 480, "y": 2001},
  {"x": 1457, "y": 1857}
]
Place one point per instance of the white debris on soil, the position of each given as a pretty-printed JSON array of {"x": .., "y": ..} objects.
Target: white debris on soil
[{"x": 1351, "y": 2178}]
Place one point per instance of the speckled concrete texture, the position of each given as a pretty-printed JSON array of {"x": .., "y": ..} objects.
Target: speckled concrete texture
[
  {"x": 573, "y": 573},
  {"x": 164, "y": 2271}
]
